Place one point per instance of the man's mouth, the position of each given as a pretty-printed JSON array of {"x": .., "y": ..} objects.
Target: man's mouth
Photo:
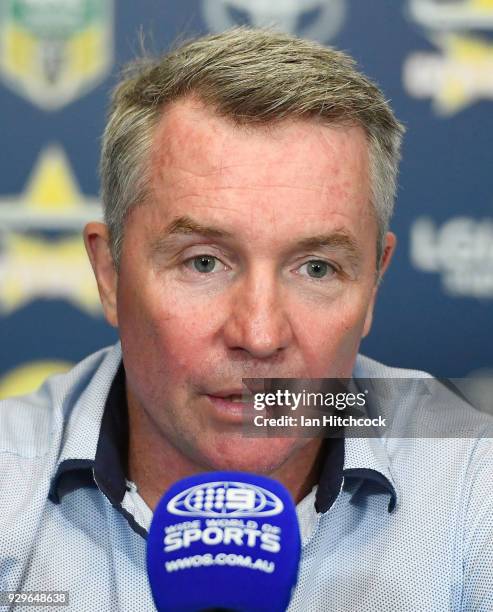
[
  {"x": 231, "y": 406},
  {"x": 233, "y": 398},
  {"x": 236, "y": 397},
  {"x": 232, "y": 394}
]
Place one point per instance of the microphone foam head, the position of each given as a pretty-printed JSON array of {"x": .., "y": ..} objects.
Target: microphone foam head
[{"x": 224, "y": 540}]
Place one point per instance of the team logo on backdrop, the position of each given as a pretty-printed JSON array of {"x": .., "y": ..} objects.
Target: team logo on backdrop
[
  {"x": 461, "y": 251},
  {"x": 225, "y": 499},
  {"x": 459, "y": 72},
  {"x": 29, "y": 376},
  {"x": 53, "y": 51},
  {"x": 316, "y": 19},
  {"x": 41, "y": 250}
]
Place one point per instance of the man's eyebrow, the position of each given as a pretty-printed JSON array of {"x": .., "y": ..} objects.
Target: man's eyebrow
[
  {"x": 336, "y": 240},
  {"x": 186, "y": 225}
]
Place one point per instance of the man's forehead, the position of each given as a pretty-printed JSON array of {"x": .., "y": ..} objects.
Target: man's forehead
[
  {"x": 215, "y": 145},
  {"x": 287, "y": 182}
]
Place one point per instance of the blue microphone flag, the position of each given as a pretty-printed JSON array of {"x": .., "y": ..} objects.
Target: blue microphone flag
[{"x": 224, "y": 540}]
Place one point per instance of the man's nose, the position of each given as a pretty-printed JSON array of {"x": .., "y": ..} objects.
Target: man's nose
[{"x": 258, "y": 322}]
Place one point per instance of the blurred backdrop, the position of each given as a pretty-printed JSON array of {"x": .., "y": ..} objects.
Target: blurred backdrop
[{"x": 433, "y": 59}]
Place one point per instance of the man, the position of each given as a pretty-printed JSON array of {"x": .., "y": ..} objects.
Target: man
[{"x": 248, "y": 181}]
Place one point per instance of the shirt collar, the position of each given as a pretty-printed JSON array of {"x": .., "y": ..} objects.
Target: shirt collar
[
  {"x": 367, "y": 468},
  {"x": 111, "y": 461},
  {"x": 94, "y": 431},
  {"x": 98, "y": 456},
  {"x": 100, "y": 426},
  {"x": 361, "y": 465}
]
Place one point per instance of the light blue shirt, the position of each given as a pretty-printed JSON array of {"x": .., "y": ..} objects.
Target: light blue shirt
[{"x": 406, "y": 525}]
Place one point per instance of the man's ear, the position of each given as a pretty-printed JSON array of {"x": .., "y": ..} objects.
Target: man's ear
[
  {"x": 388, "y": 251},
  {"x": 96, "y": 240}
]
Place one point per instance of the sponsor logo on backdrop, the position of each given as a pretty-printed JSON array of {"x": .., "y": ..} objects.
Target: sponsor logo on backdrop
[
  {"x": 315, "y": 19},
  {"x": 33, "y": 262},
  {"x": 460, "y": 250},
  {"x": 459, "y": 72},
  {"x": 54, "y": 51}
]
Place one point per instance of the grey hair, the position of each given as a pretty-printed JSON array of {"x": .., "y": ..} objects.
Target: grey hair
[{"x": 250, "y": 76}]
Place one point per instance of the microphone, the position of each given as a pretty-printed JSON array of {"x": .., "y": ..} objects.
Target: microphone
[{"x": 225, "y": 541}]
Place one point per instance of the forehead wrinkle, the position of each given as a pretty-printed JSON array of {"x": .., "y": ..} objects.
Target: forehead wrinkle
[
  {"x": 196, "y": 178},
  {"x": 320, "y": 189},
  {"x": 162, "y": 172},
  {"x": 198, "y": 190}
]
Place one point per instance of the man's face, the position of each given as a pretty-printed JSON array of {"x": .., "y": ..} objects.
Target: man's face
[{"x": 253, "y": 257}]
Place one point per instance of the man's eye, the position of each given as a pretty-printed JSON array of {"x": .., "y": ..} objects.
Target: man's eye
[
  {"x": 204, "y": 263},
  {"x": 317, "y": 268}
]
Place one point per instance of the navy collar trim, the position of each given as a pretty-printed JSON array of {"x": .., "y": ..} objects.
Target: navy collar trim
[
  {"x": 109, "y": 468},
  {"x": 368, "y": 481},
  {"x": 356, "y": 480},
  {"x": 71, "y": 474},
  {"x": 111, "y": 461},
  {"x": 331, "y": 478}
]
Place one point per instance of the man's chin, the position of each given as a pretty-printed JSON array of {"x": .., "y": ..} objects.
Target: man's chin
[{"x": 257, "y": 455}]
